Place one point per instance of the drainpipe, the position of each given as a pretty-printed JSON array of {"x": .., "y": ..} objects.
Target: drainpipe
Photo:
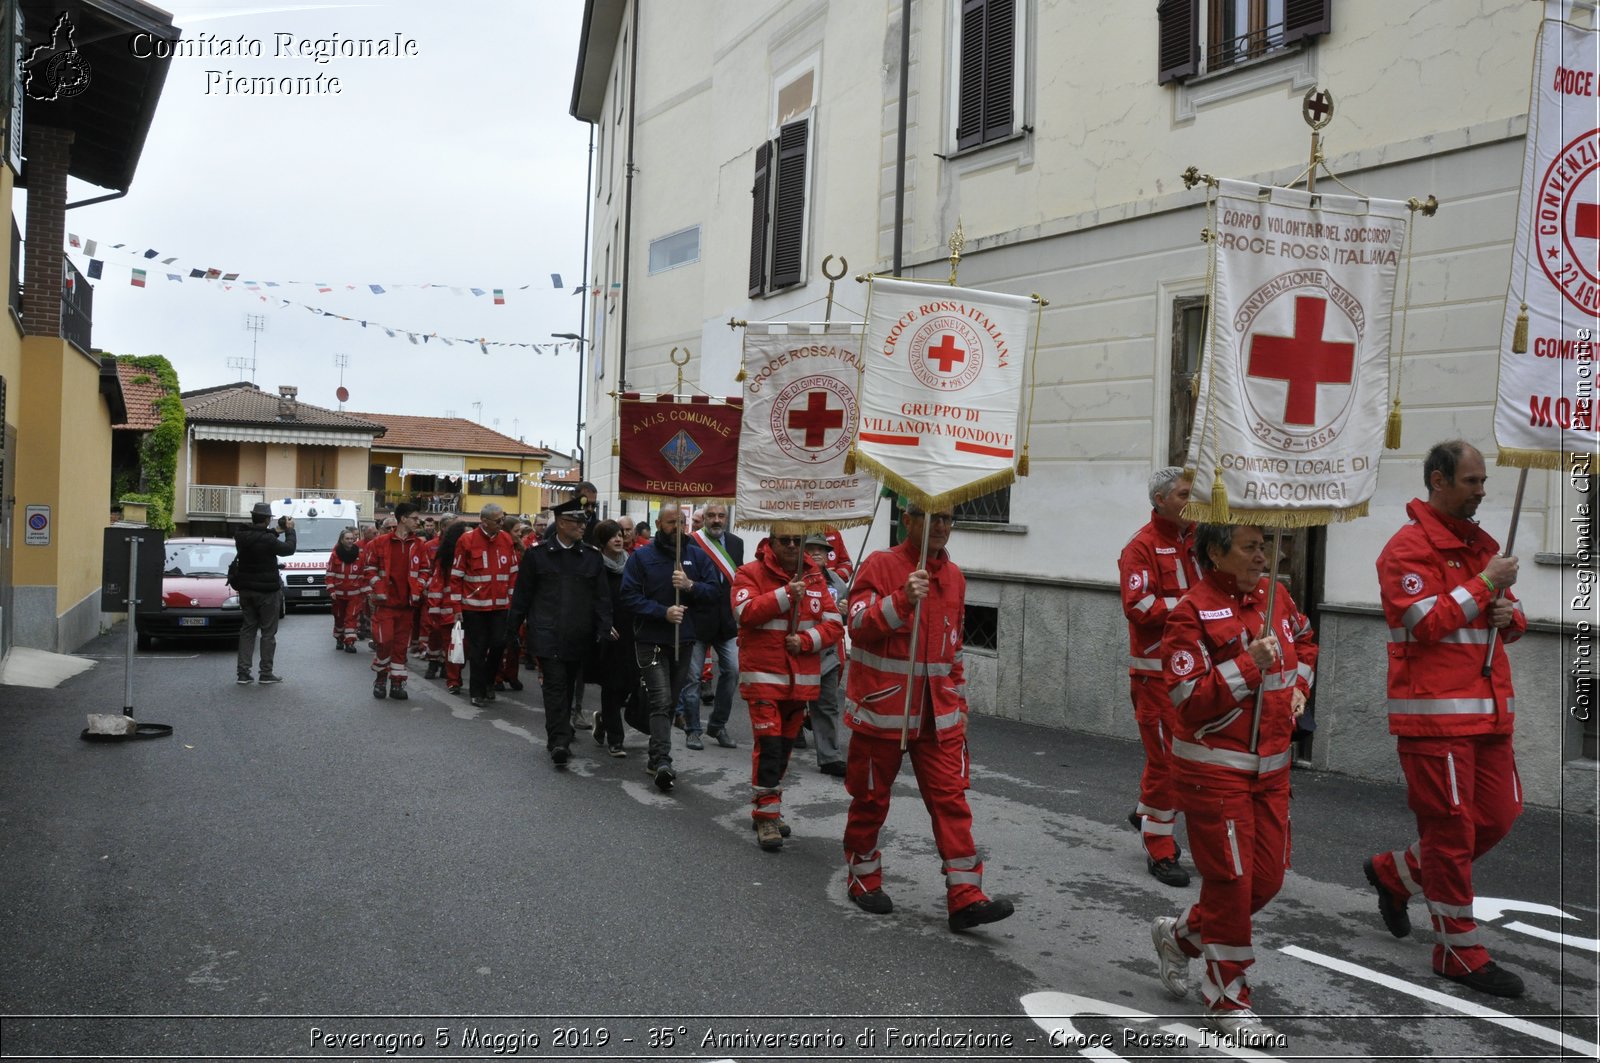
[
  {"x": 900, "y": 160},
  {"x": 627, "y": 204}
]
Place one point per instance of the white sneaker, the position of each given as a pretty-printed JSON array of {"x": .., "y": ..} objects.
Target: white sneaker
[
  {"x": 1174, "y": 964},
  {"x": 1243, "y": 1027}
]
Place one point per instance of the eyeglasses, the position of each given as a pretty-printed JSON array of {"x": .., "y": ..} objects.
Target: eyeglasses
[{"x": 789, "y": 540}]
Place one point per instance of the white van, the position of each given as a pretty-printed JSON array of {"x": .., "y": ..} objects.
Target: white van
[{"x": 317, "y": 524}]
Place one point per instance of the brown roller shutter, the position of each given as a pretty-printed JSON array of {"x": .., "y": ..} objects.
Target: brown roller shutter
[
  {"x": 1177, "y": 54},
  {"x": 1304, "y": 19}
]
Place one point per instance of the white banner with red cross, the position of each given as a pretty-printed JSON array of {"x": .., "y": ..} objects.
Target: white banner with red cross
[
  {"x": 1294, "y": 393},
  {"x": 1545, "y": 407},
  {"x": 800, "y": 412},
  {"x": 941, "y": 398}
]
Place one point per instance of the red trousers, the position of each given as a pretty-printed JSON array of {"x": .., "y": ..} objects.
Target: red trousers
[
  {"x": 1465, "y": 794},
  {"x": 391, "y": 630},
  {"x": 942, "y": 775},
  {"x": 1239, "y": 839},
  {"x": 776, "y": 725},
  {"x": 347, "y": 618},
  {"x": 1152, "y": 709},
  {"x": 435, "y": 635}
]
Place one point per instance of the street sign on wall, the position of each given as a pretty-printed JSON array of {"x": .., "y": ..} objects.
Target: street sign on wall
[{"x": 36, "y": 526}]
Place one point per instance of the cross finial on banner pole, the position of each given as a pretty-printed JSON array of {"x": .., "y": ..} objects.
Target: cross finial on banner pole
[{"x": 672, "y": 356}]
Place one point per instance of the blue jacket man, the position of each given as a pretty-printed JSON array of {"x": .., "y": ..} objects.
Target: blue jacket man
[{"x": 658, "y": 593}]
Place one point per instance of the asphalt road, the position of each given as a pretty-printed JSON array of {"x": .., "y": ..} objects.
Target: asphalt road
[{"x": 303, "y": 871}]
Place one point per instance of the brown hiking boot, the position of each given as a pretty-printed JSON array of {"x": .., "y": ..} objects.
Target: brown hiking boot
[{"x": 768, "y": 836}]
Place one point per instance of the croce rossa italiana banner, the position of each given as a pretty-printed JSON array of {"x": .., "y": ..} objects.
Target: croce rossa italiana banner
[
  {"x": 1545, "y": 407},
  {"x": 1295, "y": 378},
  {"x": 800, "y": 414}
]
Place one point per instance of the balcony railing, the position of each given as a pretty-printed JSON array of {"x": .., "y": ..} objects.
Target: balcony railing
[
  {"x": 235, "y": 503},
  {"x": 77, "y": 307}
]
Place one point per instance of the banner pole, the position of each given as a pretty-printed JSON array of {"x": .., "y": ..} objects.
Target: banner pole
[
  {"x": 1272, "y": 593},
  {"x": 1511, "y": 538},
  {"x": 861, "y": 555},
  {"x": 677, "y": 564},
  {"x": 916, "y": 622}
]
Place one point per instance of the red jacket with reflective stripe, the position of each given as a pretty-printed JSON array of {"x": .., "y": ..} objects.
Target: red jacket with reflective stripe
[
  {"x": 1214, "y": 679},
  {"x": 1157, "y": 568},
  {"x": 346, "y": 579},
  {"x": 761, "y": 605},
  {"x": 1438, "y": 614},
  {"x": 484, "y": 572},
  {"x": 880, "y": 645},
  {"x": 394, "y": 568}
]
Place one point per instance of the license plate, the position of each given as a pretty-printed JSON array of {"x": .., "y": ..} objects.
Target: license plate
[
  {"x": 309, "y": 593},
  {"x": 193, "y": 621}
]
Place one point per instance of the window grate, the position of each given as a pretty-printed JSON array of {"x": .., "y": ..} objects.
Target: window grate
[
  {"x": 992, "y": 508},
  {"x": 982, "y": 627}
]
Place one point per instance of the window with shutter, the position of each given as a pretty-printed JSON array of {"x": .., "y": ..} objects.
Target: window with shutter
[
  {"x": 760, "y": 197},
  {"x": 789, "y": 205},
  {"x": 986, "y": 93},
  {"x": 1195, "y": 37}
]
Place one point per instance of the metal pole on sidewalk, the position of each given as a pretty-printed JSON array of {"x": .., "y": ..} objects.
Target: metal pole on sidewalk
[
  {"x": 916, "y": 622},
  {"x": 1511, "y": 538},
  {"x": 133, "y": 609}
]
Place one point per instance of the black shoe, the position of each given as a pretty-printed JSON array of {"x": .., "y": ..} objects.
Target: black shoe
[
  {"x": 515, "y": 684},
  {"x": 488, "y": 695},
  {"x": 800, "y": 741},
  {"x": 1393, "y": 913},
  {"x": 349, "y": 647},
  {"x": 980, "y": 913},
  {"x": 453, "y": 690},
  {"x": 665, "y": 777},
  {"x": 875, "y": 902},
  {"x": 397, "y": 692},
  {"x": 244, "y": 679},
  {"x": 1491, "y": 978},
  {"x": 1135, "y": 820},
  {"x": 380, "y": 688},
  {"x": 478, "y": 702},
  {"x": 499, "y": 685},
  {"x": 560, "y": 755},
  {"x": 1168, "y": 872},
  {"x": 434, "y": 668},
  {"x": 833, "y": 767},
  {"x": 267, "y": 678}
]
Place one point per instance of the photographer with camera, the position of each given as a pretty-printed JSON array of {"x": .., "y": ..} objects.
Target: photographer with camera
[{"x": 255, "y": 576}]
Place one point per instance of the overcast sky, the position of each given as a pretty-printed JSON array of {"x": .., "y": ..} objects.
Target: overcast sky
[{"x": 457, "y": 166}]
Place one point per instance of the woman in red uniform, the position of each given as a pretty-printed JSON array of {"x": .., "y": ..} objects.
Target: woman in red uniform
[{"x": 1238, "y": 685}]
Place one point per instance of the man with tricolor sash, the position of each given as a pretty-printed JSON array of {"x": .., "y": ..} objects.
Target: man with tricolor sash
[{"x": 715, "y": 631}]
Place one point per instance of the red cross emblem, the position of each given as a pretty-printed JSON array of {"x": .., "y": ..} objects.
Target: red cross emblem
[
  {"x": 947, "y": 354},
  {"x": 1586, "y": 221},
  {"x": 816, "y": 419},
  {"x": 1304, "y": 360}
]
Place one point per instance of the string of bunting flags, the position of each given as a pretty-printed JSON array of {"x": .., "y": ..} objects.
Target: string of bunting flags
[{"x": 176, "y": 272}]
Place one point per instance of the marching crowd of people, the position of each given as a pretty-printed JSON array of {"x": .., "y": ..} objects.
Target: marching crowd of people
[{"x": 1221, "y": 666}]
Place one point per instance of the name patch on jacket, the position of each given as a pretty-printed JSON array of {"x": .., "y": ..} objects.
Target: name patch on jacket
[
  {"x": 1166, "y": 549},
  {"x": 1215, "y": 614}
]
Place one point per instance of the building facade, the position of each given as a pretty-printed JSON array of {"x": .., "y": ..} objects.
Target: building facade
[{"x": 1056, "y": 136}]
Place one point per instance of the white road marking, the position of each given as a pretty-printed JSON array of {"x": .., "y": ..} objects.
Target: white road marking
[
  {"x": 1488, "y": 909},
  {"x": 1053, "y": 1013},
  {"x": 1571, "y": 941},
  {"x": 1444, "y": 1000}
]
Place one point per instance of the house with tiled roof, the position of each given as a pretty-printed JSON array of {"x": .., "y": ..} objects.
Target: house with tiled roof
[
  {"x": 246, "y": 446},
  {"x": 453, "y": 465}
]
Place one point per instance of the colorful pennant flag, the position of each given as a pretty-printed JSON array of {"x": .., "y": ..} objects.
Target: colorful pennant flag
[{"x": 138, "y": 278}]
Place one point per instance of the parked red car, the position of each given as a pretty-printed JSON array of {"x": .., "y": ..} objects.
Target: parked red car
[{"x": 196, "y": 600}]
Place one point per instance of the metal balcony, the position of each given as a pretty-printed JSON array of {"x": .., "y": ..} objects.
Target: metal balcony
[{"x": 227, "y": 502}]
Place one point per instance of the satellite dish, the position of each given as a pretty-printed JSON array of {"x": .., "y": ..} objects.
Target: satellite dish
[{"x": 343, "y": 393}]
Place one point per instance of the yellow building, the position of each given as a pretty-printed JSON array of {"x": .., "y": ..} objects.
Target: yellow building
[
  {"x": 58, "y": 398},
  {"x": 453, "y": 465}
]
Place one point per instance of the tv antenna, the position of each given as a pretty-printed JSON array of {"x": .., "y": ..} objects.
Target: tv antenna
[
  {"x": 241, "y": 364},
  {"x": 255, "y": 323},
  {"x": 477, "y": 411}
]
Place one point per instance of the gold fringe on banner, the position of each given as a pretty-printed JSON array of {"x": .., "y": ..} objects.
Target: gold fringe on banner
[
  {"x": 616, "y": 448},
  {"x": 1531, "y": 459},
  {"x": 1219, "y": 496},
  {"x": 1391, "y": 430},
  {"x": 740, "y": 375},
  {"x": 850, "y": 461},
  {"x": 1519, "y": 335},
  {"x": 1022, "y": 462},
  {"x": 1273, "y": 518},
  {"x": 810, "y": 525},
  {"x": 930, "y": 503}
]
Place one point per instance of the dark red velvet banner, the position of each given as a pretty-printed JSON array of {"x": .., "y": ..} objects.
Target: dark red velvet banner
[{"x": 676, "y": 449}]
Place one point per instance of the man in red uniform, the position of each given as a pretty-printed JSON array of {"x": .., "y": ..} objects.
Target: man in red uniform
[
  {"x": 787, "y": 619},
  {"x": 1157, "y": 568},
  {"x": 1238, "y": 687},
  {"x": 394, "y": 566},
  {"x": 888, "y": 587},
  {"x": 1445, "y": 595},
  {"x": 481, "y": 577}
]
